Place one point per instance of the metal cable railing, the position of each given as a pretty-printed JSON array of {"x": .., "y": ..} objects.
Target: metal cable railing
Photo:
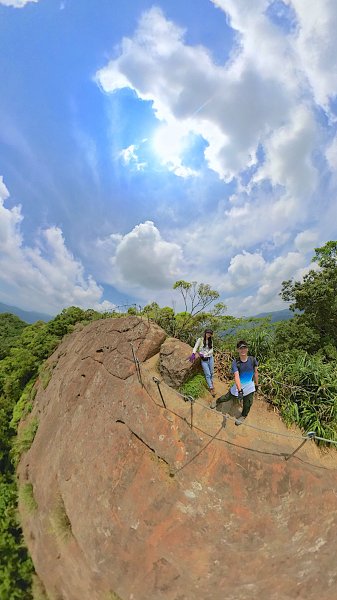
[{"x": 311, "y": 435}]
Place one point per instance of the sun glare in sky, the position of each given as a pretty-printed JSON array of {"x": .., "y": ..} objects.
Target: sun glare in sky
[{"x": 201, "y": 130}]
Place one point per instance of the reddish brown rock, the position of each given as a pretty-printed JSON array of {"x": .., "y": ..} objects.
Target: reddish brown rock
[
  {"x": 174, "y": 365},
  {"x": 237, "y": 522}
]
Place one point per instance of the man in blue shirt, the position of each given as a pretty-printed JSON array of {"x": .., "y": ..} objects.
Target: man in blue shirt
[{"x": 246, "y": 380}]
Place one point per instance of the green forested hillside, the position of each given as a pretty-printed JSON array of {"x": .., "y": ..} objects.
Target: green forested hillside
[
  {"x": 23, "y": 350},
  {"x": 27, "y": 316},
  {"x": 10, "y": 329}
]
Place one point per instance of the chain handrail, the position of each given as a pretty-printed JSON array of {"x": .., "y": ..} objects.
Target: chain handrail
[{"x": 303, "y": 438}]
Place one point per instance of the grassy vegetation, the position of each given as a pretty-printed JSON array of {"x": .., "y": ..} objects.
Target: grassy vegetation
[
  {"x": 24, "y": 440},
  {"x": 38, "y": 589},
  {"x": 26, "y": 497},
  {"x": 24, "y": 405},
  {"x": 45, "y": 373},
  {"x": 112, "y": 596},
  {"x": 304, "y": 389},
  {"x": 59, "y": 521},
  {"x": 195, "y": 387}
]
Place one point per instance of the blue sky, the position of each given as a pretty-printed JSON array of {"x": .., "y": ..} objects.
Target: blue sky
[{"x": 145, "y": 142}]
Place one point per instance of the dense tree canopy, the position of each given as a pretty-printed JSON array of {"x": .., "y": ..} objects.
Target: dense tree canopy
[
  {"x": 316, "y": 298},
  {"x": 11, "y": 328},
  {"x": 24, "y": 348}
]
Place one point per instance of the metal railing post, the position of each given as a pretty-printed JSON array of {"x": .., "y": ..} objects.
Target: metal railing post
[
  {"x": 191, "y": 400},
  {"x": 136, "y": 361},
  {"x": 157, "y": 382},
  {"x": 309, "y": 436}
]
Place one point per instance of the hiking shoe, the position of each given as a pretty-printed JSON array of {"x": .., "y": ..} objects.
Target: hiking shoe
[
  {"x": 212, "y": 392},
  {"x": 239, "y": 421},
  {"x": 213, "y": 404}
]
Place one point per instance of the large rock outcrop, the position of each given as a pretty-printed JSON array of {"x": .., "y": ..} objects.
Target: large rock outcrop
[
  {"x": 236, "y": 522},
  {"x": 174, "y": 365}
]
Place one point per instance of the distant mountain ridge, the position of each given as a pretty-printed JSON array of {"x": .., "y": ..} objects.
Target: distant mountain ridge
[
  {"x": 277, "y": 315},
  {"x": 32, "y": 317},
  {"x": 25, "y": 315}
]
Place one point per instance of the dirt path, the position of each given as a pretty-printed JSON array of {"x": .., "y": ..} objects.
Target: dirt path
[{"x": 264, "y": 431}]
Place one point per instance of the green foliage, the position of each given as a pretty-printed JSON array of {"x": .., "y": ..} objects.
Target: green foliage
[
  {"x": 38, "y": 589},
  {"x": 38, "y": 340},
  {"x": 45, "y": 373},
  {"x": 26, "y": 497},
  {"x": 24, "y": 405},
  {"x": 195, "y": 387},
  {"x": 11, "y": 328},
  {"x": 181, "y": 325},
  {"x": 24, "y": 440},
  {"x": 164, "y": 317},
  {"x": 189, "y": 324},
  {"x": 64, "y": 322},
  {"x": 112, "y": 596},
  {"x": 15, "y": 564},
  {"x": 260, "y": 342},
  {"x": 26, "y": 347},
  {"x": 258, "y": 333},
  {"x": 304, "y": 388},
  {"x": 15, "y": 372},
  {"x": 316, "y": 296},
  {"x": 196, "y": 296},
  {"x": 6, "y": 434},
  {"x": 296, "y": 334},
  {"x": 187, "y": 327}
]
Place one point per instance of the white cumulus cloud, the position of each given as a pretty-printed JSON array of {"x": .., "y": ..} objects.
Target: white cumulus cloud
[
  {"x": 230, "y": 107},
  {"x": 46, "y": 276},
  {"x": 245, "y": 269},
  {"x": 145, "y": 260},
  {"x": 16, "y": 3},
  {"x": 316, "y": 44}
]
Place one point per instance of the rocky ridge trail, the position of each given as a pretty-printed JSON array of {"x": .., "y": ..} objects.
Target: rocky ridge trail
[{"x": 237, "y": 522}]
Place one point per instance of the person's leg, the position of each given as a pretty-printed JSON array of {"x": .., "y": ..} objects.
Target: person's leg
[
  {"x": 247, "y": 404},
  {"x": 211, "y": 368},
  {"x": 221, "y": 399},
  {"x": 226, "y": 398},
  {"x": 207, "y": 373}
]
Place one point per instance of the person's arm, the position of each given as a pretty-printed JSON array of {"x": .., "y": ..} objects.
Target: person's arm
[
  {"x": 192, "y": 357},
  {"x": 256, "y": 376},
  {"x": 236, "y": 374},
  {"x": 237, "y": 381},
  {"x": 196, "y": 346}
]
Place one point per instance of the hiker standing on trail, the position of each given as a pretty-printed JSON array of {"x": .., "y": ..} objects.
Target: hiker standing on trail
[
  {"x": 246, "y": 379},
  {"x": 204, "y": 347}
]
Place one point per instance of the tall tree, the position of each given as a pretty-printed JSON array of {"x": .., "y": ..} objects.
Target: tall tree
[
  {"x": 196, "y": 296},
  {"x": 316, "y": 295}
]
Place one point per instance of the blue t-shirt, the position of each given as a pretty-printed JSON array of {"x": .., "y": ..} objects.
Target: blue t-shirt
[{"x": 246, "y": 373}]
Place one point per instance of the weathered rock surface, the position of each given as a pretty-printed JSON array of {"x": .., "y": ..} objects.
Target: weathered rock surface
[
  {"x": 238, "y": 522},
  {"x": 174, "y": 366}
]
